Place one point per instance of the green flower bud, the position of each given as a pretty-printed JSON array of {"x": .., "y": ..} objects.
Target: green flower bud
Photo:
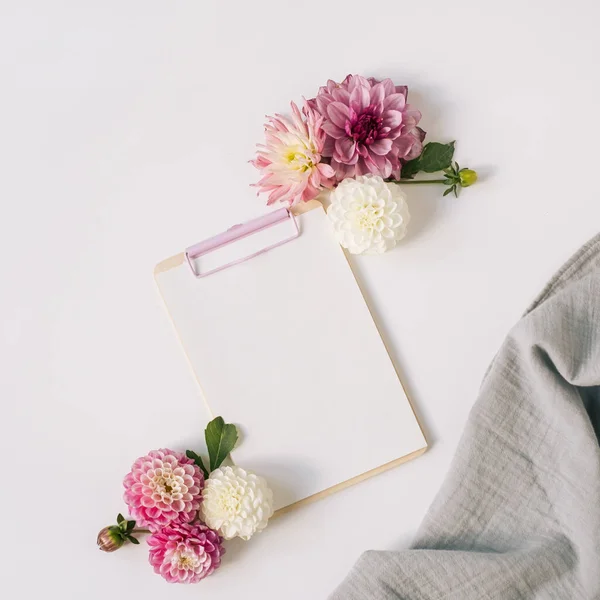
[
  {"x": 467, "y": 177},
  {"x": 110, "y": 539}
]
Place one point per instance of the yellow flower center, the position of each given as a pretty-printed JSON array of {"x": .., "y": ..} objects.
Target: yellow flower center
[
  {"x": 230, "y": 502},
  {"x": 368, "y": 216},
  {"x": 185, "y": 560},
  {"x": 166, "y": 484}
]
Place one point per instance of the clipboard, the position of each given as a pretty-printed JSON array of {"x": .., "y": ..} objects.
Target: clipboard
[{"x": 282, "y": 343}]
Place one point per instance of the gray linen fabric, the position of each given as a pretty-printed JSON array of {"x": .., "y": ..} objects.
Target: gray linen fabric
[{"x": 519, "y": 513}]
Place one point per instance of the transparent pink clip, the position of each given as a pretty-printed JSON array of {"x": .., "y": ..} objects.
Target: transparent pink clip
[{"x": 239, "y": 232}]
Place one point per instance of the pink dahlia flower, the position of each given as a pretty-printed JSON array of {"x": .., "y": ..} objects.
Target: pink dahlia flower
[
  {"x": 290, "y": 158},
  {"x": 369, "y": 126},
  {"x": 163, "y": 487},
  {"x": 185, "y": 553}
]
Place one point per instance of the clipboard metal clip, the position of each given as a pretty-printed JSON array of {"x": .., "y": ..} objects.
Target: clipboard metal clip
[{"x": 238, "y": 233}]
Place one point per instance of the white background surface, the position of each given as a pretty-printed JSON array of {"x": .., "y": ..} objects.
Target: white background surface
[{"x": 124, "y": 134}]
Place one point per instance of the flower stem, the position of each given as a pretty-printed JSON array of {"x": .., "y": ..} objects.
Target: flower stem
[
  {"x": 420, "y": 181},
  {"x": 141, "y": 531}
]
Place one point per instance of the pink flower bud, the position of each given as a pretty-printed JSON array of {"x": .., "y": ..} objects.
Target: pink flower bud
[{"x": 110, "y": 539}]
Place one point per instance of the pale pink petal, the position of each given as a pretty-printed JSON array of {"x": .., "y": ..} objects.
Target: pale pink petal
[
  {"x": 402, "y": 89},
  {"x": 384, "y": 166},
  {"x": 377, "y": 94},
  {"x": 359, "y": 98},
  {"x": 345, "y": 149},
  {"x": 388, "y": 86},
  {"x": 278, "y": 194},
  {"x": 333, "y": 130},
  {"x": 326, "y": 170},
  {"x": 392, "y": 118},
  {"x": 381, "y": 147},
  {"x": 362, "y": 168},
  {"x": 362, "y": 150},
  {"x": 403, "y": 145},
  {"x": 338, "y": 113},
  {"x": 341, "y": 95},
  {"x": 328, "y": 146},
  {"x": 394, "y": 102}
]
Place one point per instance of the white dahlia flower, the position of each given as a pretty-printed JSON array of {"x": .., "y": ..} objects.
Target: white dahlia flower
[
  {"x": 236, "y": 503},
  {"x": 369, "y": 215}
]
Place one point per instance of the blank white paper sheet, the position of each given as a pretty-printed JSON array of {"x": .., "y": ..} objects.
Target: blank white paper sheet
[{"x": 285, "y": 347}]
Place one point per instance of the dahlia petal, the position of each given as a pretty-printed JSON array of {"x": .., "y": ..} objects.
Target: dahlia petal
[
  {"x": 392, "y": 118},
  {"x": 362, "y": 150},
  {"x": 326, "y": 170},
  {"x": 147, "y": 501},
  {"x": 402, "y": 89},
  {"x": 388, "y": 86},
  {"x": 394, "y": 102},
  {"x": 362, "y": 168},
  {"x": 403, "y": 145},
  {"x": 341, "y": 95},
  {"x": 345, "y": 149},
  {"x": 355, "y": 81},
  {"x": 310, "y": 193},
  {"x": 344, "y": 171},
  {"x": 408, "y": 122},
  {"x": 137, "y": 488},
  {"x": 396, "y": 132},
  {"x": 384, "y": 166},
  {"x": 415, "y": 150},
  {"x": 381, "y": 147},
  {"x": 338, "y": 113},
  {"x": 359, "y": 98},
  {"x": 333, "y": 130},
  {"x": 377, "y": 94},
  {"x": 278, "y": 194},
  {"x": 322, "y": 103}
]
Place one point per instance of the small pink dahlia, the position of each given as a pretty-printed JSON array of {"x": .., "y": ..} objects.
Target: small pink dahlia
[
  {"x": 369, "y": 126},
  {"x": 290, "y": 159},
  {"x": 163, "y": 487},
  {"x": 185, "y": 553}
]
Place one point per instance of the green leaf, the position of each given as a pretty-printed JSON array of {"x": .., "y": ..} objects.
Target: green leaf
[
  {"x": 436, "y": 157},
  {"x": 198, "y": 460},
  {"x": 130, "y": 526},
  {"x": 133, "y": 540},
  {"x": 411, "y": 168},
  {"x": 220, "y": 440},
  {"x": 120, "y": 518},
  {"x": 448, "y": 191}
]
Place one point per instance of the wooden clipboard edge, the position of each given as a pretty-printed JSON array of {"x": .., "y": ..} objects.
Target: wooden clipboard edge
[
  {"x": 338, "y": 487},
  {"x": 178, "y": 259}
]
